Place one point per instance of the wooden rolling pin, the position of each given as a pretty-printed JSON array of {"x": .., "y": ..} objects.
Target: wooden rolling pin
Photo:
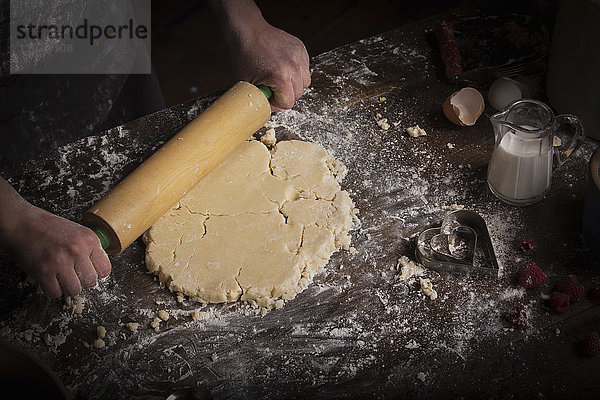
[{"x": 140, "y": 199}]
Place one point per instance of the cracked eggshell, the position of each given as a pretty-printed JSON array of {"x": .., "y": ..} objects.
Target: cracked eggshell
[{"x": 464, "y": 106}]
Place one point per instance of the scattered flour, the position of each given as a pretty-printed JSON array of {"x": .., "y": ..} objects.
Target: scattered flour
[{"x": 355, "y": 317}]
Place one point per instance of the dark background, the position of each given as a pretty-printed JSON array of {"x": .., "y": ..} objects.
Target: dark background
[{"x": 190, "y": 57}]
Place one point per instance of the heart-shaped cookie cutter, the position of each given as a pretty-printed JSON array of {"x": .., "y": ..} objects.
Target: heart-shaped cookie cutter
[{"x": 461, "y": 244}]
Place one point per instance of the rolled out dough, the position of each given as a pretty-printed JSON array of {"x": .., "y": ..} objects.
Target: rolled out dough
[{"x": 258, "y": 228}]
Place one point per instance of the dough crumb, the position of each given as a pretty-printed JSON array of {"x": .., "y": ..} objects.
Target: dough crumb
[
  {"x": 408, "y": 268},
  {"x": 382, "y": 99},
  {"x": 75, "y": 304},
  {"x": 101, "y": 332},
  {"x": 162, "y": 314},
  {"x": 269, "y": 139},
  {"x": 383, "y": 124},
  {"x": 453, "y": 207},
  {"x": 556, "y": 141},
  {"x": 99, "y": 343},
  {"x": 180, "y": 297},
  {"x": 567, "y": 153},
  {"x": 427, "y": 288},
  {"x": 133, "y": 326},
  {"x": 421, "y": 376},
  {"x": 415, "y": 131},
  {"x": 58, "y": 339},
  {"x": 155, "y": 324},
  {"x": 214, "y": 357}
]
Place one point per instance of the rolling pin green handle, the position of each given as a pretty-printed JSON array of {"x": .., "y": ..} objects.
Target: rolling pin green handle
[
  {"x": 104, "y": 239},
  {"x": 266, "y": 90}
]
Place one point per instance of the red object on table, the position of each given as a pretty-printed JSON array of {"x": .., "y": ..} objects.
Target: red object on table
[
  {"x": 532, "y": 276},
  {"x": 449, "y": 49}
]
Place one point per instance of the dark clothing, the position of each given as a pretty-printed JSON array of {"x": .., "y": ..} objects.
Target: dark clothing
[{"x": 42, "y": 112}]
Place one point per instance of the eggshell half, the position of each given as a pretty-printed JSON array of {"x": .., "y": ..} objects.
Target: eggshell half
[
  {"x": 464, "y": 106},
  {"x": 504, "y": 91}
]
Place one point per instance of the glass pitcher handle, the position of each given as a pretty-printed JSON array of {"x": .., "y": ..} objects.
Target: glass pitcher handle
[{"x": 577, "y": 138}]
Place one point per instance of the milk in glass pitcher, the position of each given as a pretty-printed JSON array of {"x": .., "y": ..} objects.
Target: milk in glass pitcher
[{"x": 521, "y": 167}]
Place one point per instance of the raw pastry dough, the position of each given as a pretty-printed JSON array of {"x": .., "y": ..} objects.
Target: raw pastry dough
[{"x": 258, "y": 228}]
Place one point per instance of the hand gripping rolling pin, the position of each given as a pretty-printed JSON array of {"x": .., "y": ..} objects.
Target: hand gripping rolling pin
[{"x": 140, "y": 199}]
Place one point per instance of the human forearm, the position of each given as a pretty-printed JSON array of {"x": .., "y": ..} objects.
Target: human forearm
[
  {"x": 262, "y": 53},
  {"x": 241, "y": 22},
  {"x": 236, "y": 14},
  {"x": 61, "y": 255},
  {"x": 12, "y": 207}
]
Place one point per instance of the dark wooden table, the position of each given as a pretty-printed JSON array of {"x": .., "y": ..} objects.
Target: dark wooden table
[{"x": 357, "y": 331}]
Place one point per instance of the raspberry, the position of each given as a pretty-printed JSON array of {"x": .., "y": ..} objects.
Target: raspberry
[
  {"x": 528, "y": 245},
  {"x": 532, "y": 276},
  {"x": 570, "y": 286},
  {"x": 559, "y": 302},
  {"x": 517, "y": 316},
  {"x": 591, "y": 343}
]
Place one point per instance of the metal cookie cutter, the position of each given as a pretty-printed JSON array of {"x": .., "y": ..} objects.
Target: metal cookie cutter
[{"x": 462, "y": 244}]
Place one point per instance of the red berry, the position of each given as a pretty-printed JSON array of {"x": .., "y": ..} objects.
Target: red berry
[
  {"x": 570, "y": 286},
  {"x": 528, "y": 245},
  {"x": 532, "y": 276},
  {"x": 517, "y": 316},
  {"x": 591, "y": 343},
  {"x": 559, "y": 302}
]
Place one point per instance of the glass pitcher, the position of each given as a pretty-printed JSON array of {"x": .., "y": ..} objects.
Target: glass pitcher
[{"x": 521, "y": 167}]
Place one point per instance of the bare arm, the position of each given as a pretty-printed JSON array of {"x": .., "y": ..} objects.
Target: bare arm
[
  {"x": 61, "y": 255},
  {"x": 262, "y": 53}
]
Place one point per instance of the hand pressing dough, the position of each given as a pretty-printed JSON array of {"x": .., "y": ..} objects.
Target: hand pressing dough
[{"x": 258, "y": 228}]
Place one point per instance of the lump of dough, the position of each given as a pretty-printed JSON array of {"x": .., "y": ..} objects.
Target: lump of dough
[
  {"x": 415, "y": 131},
  {"x": 427, "y": 288},
  {"x": 101, "y": 331},
  {"x": 269, "y": 139},
  {"x": 258, "y": 228},
  {"x": 162, "y": 314},
  {"x": 133, "y": 326}
]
